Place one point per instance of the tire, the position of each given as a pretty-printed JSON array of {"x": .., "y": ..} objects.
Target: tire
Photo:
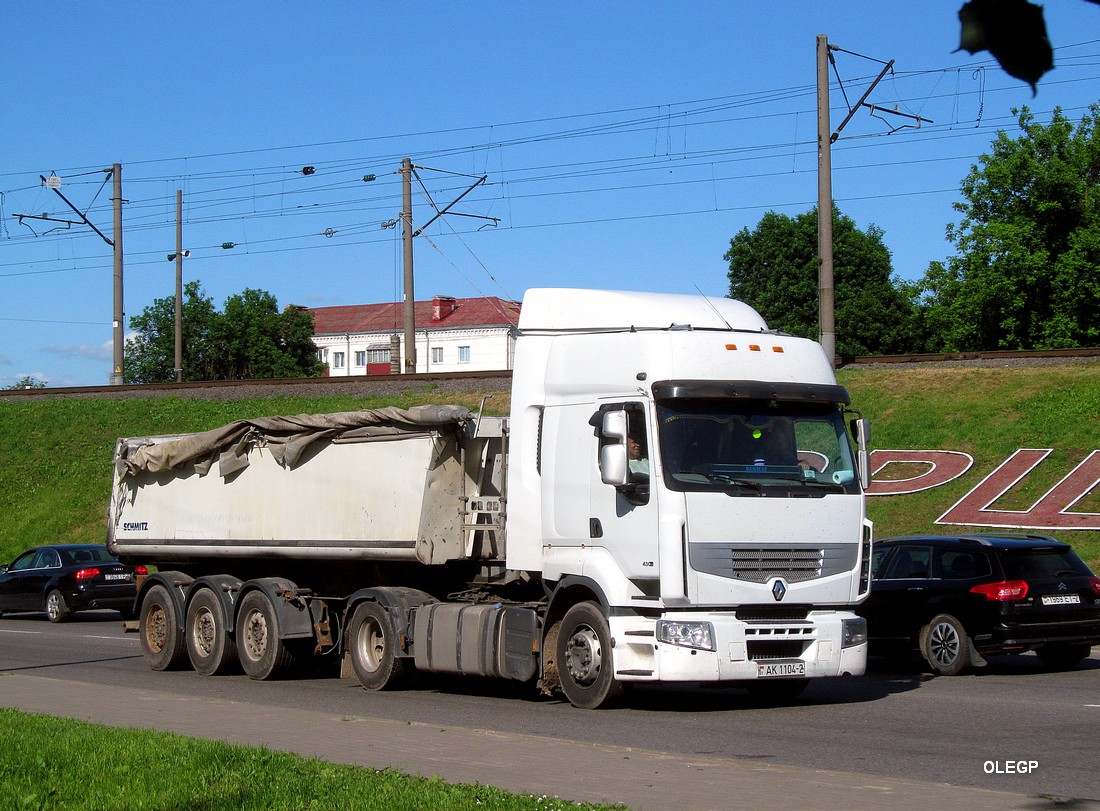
[
  {"x": 372, "y": 644},
  {"x": 779, "y": 691},
  {"x": 161, "y": 630},
  {"x": 206, "y": 635},
  {"x": 945, "y": 645},
  {"x": 57, "y": 609},
  {"x": 262, "y": 654},
  {"x": 584, "y": 659},
  {"x": 1063, "y": 657}
]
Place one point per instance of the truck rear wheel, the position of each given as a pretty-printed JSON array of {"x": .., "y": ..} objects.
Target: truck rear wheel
[
  {"x": 372, "y": 644},
  {"x": 160, "y": 630},
  {"x": 207, "y": 635},
  {"x": 262, "y": 654},
  {"x": 584, "y": 659}
]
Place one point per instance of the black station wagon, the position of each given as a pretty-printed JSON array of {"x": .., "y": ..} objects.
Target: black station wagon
[{"x": 958, "y": 599}]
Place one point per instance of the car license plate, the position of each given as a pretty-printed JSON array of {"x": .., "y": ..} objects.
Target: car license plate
[
  {"x": 116, "y": 577},
  {"x": 1060, "y": 599},
  {"x": 771, "y": 670}
]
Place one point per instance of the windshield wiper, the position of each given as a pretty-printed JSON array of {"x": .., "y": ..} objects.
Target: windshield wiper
[{"x": 725, "y": 478}]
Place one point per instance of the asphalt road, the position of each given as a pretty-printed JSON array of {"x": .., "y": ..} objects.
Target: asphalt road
[{"x": 963, "y": 731}]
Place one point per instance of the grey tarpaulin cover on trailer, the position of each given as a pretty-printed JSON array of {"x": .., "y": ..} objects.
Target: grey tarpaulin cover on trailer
[{"x": 286, "y": 438}]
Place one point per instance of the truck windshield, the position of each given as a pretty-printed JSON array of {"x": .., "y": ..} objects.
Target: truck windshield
[{"x": 756, "y": 447}]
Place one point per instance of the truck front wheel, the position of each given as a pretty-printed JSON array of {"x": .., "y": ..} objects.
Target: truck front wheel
[
  {"x": 262, "y": 654},
  {"x": 584, "y": 658},
  {"x": 371, "y": 643},
  {"x": 160, "y": 630},
  {"x": 207, "y": 635}
]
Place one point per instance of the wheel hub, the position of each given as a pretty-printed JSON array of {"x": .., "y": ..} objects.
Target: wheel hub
[
  {"x": 584, "y": 656},
  {"x": 944, "y": 644}
]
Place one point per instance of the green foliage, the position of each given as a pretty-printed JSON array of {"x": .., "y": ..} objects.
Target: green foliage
[
  {"x": 126, "y": 768},
  {"x": 26, "y": 382},
  {"x": 150, "y": 354},
  {"x": 774, "y": 268},
  {"x": 249, "y": 339},
  {"x": 1026, "y": 273}
]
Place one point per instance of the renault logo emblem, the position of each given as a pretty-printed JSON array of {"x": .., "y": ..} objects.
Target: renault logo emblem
[{"x": 779, "y": 590}]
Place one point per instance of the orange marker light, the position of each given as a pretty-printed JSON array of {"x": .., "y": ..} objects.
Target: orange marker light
[
  {"x": 731, "y": 346},
  {"x": 754, "y": 347}
]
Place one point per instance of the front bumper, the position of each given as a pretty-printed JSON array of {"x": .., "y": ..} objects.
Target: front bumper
[{"x": 742, "y": 650}]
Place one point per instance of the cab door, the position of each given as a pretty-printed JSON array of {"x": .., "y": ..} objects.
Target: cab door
[{"x": 623, "y": 514}]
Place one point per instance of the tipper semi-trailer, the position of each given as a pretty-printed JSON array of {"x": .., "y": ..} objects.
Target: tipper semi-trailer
[{"x": 677, "y": 495}]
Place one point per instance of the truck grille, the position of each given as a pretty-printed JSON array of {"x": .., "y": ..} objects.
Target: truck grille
[
  {"x": 755, "y": 564},
  {"x": 776, "y": 649}
]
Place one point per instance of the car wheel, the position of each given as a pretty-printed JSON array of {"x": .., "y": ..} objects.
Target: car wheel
[
  {"x": 945, "y": 645},
  {"x": 1063, "y": 657},
  {"x": 57, "y": 610},
  {"x": 584, "y": 659}
]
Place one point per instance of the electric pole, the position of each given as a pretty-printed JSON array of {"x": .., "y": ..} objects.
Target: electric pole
[
  {"x": 407, "y": 243},
  {"x": 179, "y": 286},
  {"x": 826, "y": 315},
  {"x": 119, "y": 315}
]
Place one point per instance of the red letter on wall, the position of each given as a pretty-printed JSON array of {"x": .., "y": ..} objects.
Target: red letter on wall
[{"x": 1052, "y": 511}]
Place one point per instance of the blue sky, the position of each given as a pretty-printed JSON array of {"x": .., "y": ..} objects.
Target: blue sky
[{"x": 624, "y": 144}]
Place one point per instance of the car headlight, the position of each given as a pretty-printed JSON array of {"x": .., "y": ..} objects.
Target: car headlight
[
  {"x": 686, "y": 634},
  {"x": 855, "y": 632}
]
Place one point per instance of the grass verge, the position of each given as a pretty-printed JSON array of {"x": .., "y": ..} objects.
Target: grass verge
[{"x": 58, "y": 764}]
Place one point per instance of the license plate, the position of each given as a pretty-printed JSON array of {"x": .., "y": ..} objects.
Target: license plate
[
  {"x": 1060, "y": 599},
  {"x": 771, "y": 670},
  {"x": 116, "y": 577}
]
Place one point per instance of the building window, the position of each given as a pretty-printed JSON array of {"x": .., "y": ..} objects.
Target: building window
[
  {"x": 376, "y": 354},
  {"x": 360, "y": 358},
  {"x": 464, "y": 354},
  {"x": 321, "y": 355},
  {"x": 437, "y": 354},
  {"x": 337, "y": 360}
]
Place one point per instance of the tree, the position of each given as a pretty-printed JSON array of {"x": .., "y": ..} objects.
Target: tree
[
  {"x": 256, "y": 340},
  {"x": 151, "y": 352},
  {"x": 1026, "y": 273},
  {"x": 774, "y": 268},
  {"x": 26, "y": 382},
  {"x": 249, "y": 339}
]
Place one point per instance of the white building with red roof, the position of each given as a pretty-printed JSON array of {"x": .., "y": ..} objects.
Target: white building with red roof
[{"x": 452, "y": 335}]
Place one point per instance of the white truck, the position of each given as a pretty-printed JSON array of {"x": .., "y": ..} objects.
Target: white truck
[{"x": 676, "y": 496}]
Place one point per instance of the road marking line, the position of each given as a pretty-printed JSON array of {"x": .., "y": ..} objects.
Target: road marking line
[{"x": 13, "y": 631}]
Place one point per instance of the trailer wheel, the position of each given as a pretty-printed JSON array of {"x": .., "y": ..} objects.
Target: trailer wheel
[
  {"x": 207, "y": 635},
  {"x": 372, "y": 642},
  {"x": 160, "y": 630},
  {"x": 262, "y": 654},
  {"x": 584, "y": 659}
]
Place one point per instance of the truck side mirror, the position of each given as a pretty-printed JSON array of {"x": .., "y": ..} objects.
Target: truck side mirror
[
  {"x": 613, "y": 465},
  {"x": 861, "y": 430}
]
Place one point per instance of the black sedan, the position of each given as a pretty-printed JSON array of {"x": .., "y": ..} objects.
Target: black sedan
[
  {"x": 63, "y": 578},
  {"x": 957, "y": 599}
]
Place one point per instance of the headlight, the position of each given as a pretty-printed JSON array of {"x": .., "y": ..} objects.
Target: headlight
[
  {"x": 686, "y": 634},
  {"x": 855, "y": 632}
]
